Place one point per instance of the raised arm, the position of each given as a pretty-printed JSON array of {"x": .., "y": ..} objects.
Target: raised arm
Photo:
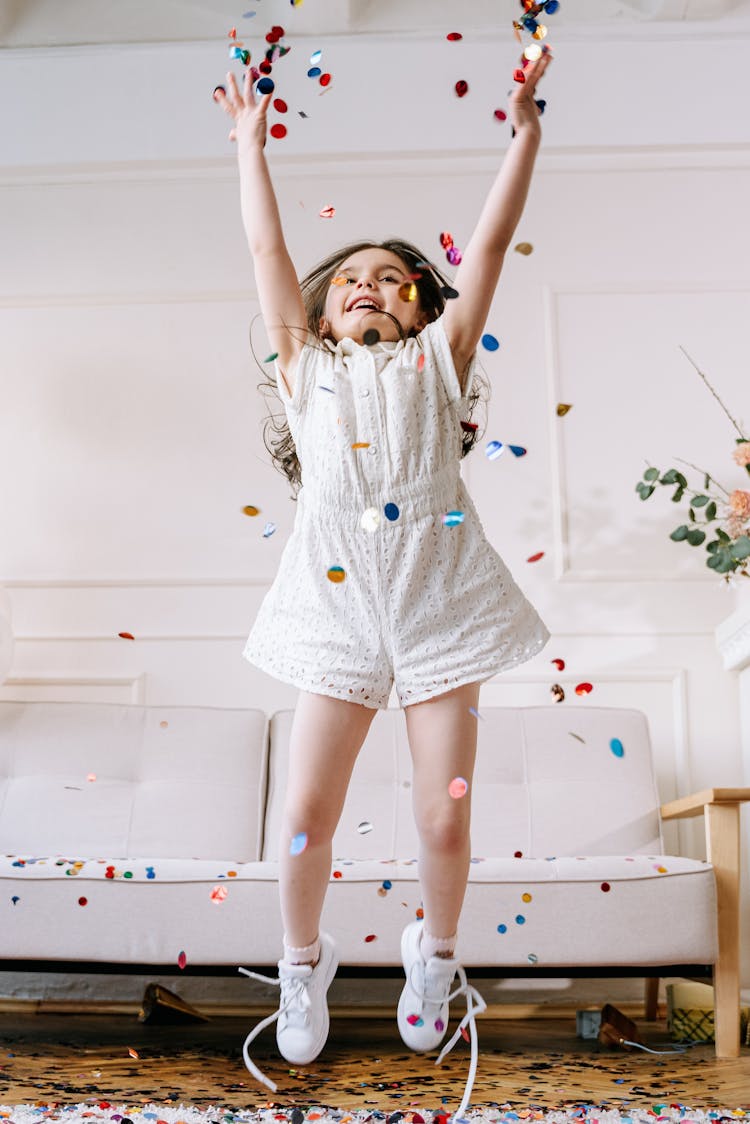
[
  {"x": 281, "y": 304},
  {"x": 477, "y": 276}
]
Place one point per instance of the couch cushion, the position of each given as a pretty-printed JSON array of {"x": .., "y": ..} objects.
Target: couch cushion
[
  {"x": 547, "y": 782},
  {"x": 574, "y": 912},
  {"x": 170, "y": 782}
]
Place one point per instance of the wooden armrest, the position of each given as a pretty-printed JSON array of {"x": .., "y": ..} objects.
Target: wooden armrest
[{"x": 694, "y": 805}]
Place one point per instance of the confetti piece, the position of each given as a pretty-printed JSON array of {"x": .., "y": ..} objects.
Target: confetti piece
[
  {"x": 562, "y": 409},
  {"x": 520, "y": 919},
  {"x": 519, "y": 76},
  {"x": 339, "y": 280},
  {"x": 371, "y": 337},
  {"x": 361, "y": 445},
  {"x": 83, "y": 901},
  {"x": 325, "y": 79},
  {"x": 557, "y": 693},
  {"x": 270, "y": 358},
  {"x": 535, "y": 557},
  {"x": 584, "y": 689},
  {"x": 314, "y": 72},
  {"x": 91, "y": 777},
  {"x": 218, "y": 894},
  {"x": 298, "y": 844},
  {"x": 391, "y": 512},
  {"x": 502, "y": 928},
  {"x": 500, "y": 115},
  {"x": 133, "y": 1053},
  {"x": 408, "y": 291},
  {"x": 415, "y": 1020},
  {"x": 464, "y": 1034},
  {"x": 420, "y": 364},
  {"x": 605, "y": 887},
  {"x": 457, "y": 788},
  {"x": 370, "y": 520},
  {"x": 494, "y": 450},
  {"x": 364, "y": 827},
  {"x": 15, "y": 899},
  {"x": 126, "y": 635},
  {"x": 524, "y": 248},
  {"x": 337, "y": 874},
  {"x": 266, "y": 85},
  {"x": 448, "y": 292},
  {"x": 268, "y": 530},
  {"x": 250, "y": 509},
  {"x": 446, "y": 240},
  {"x": 469, "y": 427},
  {"x": 462, "y": 88},
  {"x": 559, "y": 664},
  {"x": 370, "y": 938},
  {"x": 532, "y": 958},
  {"x": 336, "y": 574},
  {"x": 577, "y": 737},
  {"x": 278, "y": 131},
  {"x": 454, "y": 36},
  {"x": 280, "y": 105},
  {"x": 453, "y": 518},
  {"x": 315, "y": 58},
  {"x": 616, "y": 745},
  {"x": 532, "y": 52},
  {"x": 526, "y": 897},
  {"x": 489, "y": 342},
  {"x": 454, "y": 256},
  {"x": 327, "y": 212},
  {"x": 473, "y": 710}
]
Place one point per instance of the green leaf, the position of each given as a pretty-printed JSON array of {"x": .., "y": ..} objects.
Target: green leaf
[
  {"x": 680, "y": 533},
  {"x": 645, "y": 490},
  {"x": 651, "y": 474},
  {"x": 691, "y": 513},
  {"x": 707, "y": 481},
  {"x": 700, "y": 501},
  {"x": 710, "y": 511},
  {"x": 712, "y": 547},
  {"x": 741, "y": 548},
  {"x": 669, "y": 477},
  {"x": 678, "y": 494},
  {"x": 722, "y": 536},
  {"x": 696, "y": 537},
  {"x": 681, "y": 480},
  {"x": 714, "y": 562}
]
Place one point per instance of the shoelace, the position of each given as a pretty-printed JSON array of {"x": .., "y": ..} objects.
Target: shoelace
[
  {"x": 293, "y": 995},
  {"x": 475, "y": 1004}
]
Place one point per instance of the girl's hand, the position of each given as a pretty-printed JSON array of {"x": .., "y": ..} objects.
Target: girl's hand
[
  {"x": 249, "y": 115},
  {"x": 524, "y": 113}
]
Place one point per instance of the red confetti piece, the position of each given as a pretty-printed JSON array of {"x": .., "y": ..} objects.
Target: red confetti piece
[
  {"x": 606, "y": 887},
  {"x": 233, "y": 33},
  {"x": 518, "y": 854},
  {"x": 337, "y": 874},
  {"x": 584, "y": 689},
  {"x": 454, "y": 36},
  {"x": 265, "y": 67},
  {"x": 181, "y": 960},
  {"x": 462, "y": 88},
  {"x": 370, "y": 937},
  {"x": 327, "y": 212},
  {"x": 280, "y": 105},
  {"x": 83, "y": 901},
  {"x": 501, "y": 115},
  {"x": 535, "y": 557},
  {"x": 278, "y": 131},
  {"x": 446, "y": 240},
  {"x": 126, "y": 635},
  {"x": 218, "y": 894},
  {"x": 559, "y": 664},
  {"x": 464, "y": 1033},
  {"x": 419, "y": 914},
  {"x": 325, "y": 80},
  {"x": 519, "y": 76},
  {"x": 420, "y": 364},
  {"x": 469, "y": 427}
]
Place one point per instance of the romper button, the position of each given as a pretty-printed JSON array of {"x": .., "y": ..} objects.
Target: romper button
[
  {"x": 365, "y": 393},
  {"x": 372, "y": 450}
]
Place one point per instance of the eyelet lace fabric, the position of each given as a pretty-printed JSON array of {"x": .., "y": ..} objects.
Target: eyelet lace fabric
[{"x": 422, "y": 604}]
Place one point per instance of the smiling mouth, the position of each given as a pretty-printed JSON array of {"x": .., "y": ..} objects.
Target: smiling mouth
[{"x": 365, "y": 306}]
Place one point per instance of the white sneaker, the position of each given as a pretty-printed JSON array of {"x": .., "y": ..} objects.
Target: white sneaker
[
  {"x": 302, "y": 1027},
  {"x": 424, "y": 1001}
]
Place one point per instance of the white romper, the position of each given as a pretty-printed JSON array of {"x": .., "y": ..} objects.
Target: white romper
[{"x": 422, "y": 604}]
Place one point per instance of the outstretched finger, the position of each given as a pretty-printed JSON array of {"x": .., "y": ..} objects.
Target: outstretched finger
[
  {"x": 220, "y": 97},
  {"x": 233, "y": 90}
]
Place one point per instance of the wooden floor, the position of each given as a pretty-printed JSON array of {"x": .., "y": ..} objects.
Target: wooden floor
[{"x": 69, "y": 1058}]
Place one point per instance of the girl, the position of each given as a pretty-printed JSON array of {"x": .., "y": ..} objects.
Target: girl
[{"x": 387, "y": 578}]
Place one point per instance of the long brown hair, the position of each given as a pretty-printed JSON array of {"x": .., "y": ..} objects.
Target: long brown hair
[{"x": 432, "y": 289}]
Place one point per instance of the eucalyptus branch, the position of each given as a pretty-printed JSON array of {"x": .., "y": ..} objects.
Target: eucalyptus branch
[
  {"x": 708, "y": 384},
  {"x": 703, "y": 473}
]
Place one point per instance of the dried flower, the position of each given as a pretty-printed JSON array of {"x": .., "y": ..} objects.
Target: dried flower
[
  {"x": 739, "y": 502},
  {"x": 741, "y": 454}
]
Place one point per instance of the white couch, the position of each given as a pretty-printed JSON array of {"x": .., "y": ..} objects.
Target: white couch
[{"x": 118, "y": 823}]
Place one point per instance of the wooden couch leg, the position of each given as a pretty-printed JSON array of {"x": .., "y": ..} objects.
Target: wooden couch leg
[
  {"x": 723, "y": 846},
  {"x": 651, "y": 999}
]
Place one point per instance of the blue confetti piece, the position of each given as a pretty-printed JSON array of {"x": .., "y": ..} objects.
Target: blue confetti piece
[
  {"x": 489, "y": 342},
  {"x": 617, "y": 747}
]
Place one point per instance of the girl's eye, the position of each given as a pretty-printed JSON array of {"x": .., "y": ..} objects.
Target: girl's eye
[{"x": 388, "y": 277}]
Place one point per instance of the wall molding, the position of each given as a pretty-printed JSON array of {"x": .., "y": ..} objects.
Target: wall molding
[{"x": 33, "y": 687}]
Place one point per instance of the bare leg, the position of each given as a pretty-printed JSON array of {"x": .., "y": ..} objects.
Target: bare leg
[
  {"x": 327, "y": 734},
  {"x": 443, "y": 739}
]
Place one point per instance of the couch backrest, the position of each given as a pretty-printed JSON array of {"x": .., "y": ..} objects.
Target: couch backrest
[
  {"x": 171, "y": 782},
  {"x": 538, "y": 790}
]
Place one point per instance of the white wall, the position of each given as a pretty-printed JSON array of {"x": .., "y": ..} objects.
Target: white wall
[{"x": 130, "y": 434}]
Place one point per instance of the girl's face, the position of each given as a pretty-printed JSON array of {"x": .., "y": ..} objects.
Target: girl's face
[{"x": 367, "y": 289}]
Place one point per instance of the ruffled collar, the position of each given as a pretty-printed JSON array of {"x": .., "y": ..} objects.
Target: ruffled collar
[{"x": 347, "y": 347}]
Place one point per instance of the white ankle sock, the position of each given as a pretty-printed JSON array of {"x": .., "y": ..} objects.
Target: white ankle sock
[
  {"x": 431, "y": 946},
  {"x": 307, "y": 954}
]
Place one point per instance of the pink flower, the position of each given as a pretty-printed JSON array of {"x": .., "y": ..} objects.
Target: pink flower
[
  {"x": 739, "y": 502},
  {"x": 741, "y": 454}
]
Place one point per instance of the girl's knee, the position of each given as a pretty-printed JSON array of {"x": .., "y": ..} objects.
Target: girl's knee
[{"x": 446, "y": 833}]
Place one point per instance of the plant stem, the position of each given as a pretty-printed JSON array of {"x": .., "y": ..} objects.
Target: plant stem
[
  {"x": 708, "y": 384},
  {"x": 704, "y": 474}
]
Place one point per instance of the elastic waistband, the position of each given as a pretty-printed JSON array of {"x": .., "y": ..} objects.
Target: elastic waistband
[{"x": 434, "y": 495}]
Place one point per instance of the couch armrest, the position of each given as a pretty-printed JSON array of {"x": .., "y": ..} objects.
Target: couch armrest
[
  {"x": 721, "y": 807},
  {"x": 696, "y": 804}
]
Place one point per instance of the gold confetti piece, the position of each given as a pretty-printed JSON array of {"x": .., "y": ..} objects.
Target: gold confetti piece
[
  {"x": 336, "y": 574},
  {"x": 339, "y": 280},
  {"x": 361, "y": 445},
  {"x": 408, "y": 291},
  {"x": 562, "y": 408},
  {"x": 126, "y": 635},
  {"x": 249, "y": 509},
  {"x": 524, "y": 248}
]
